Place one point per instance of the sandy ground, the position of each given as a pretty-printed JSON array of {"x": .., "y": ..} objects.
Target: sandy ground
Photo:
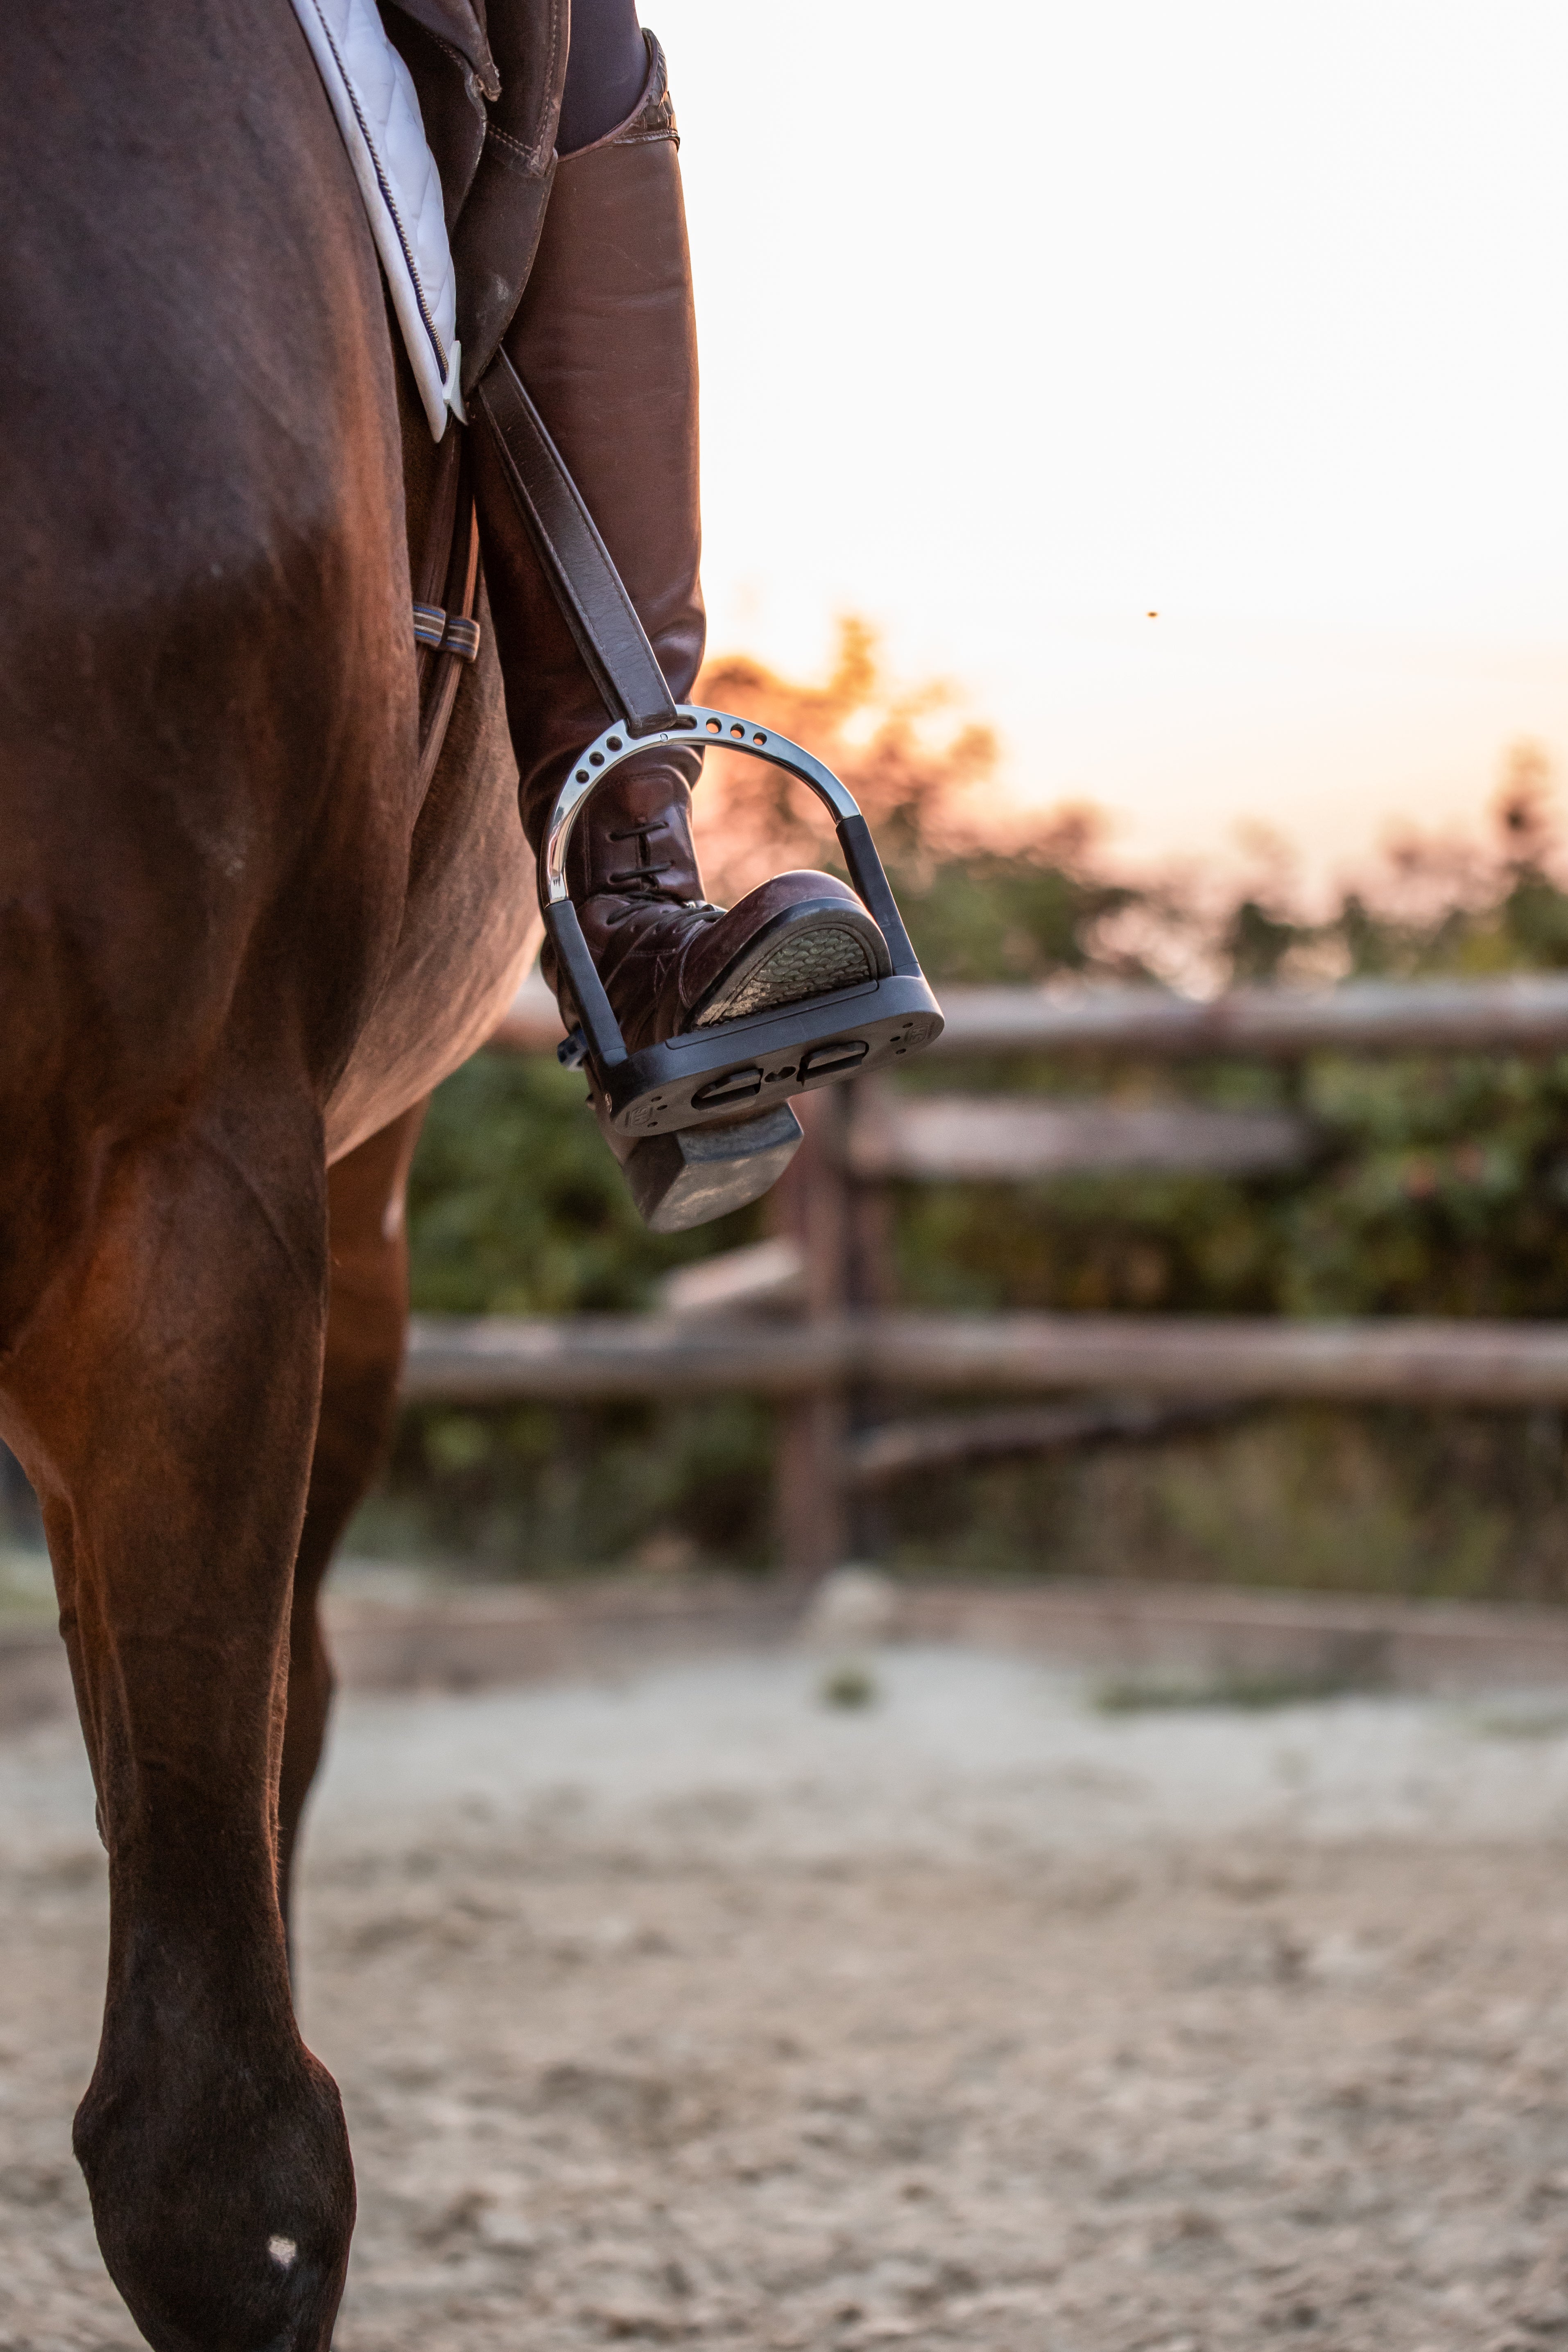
[{"x": 688, "y": 2009}]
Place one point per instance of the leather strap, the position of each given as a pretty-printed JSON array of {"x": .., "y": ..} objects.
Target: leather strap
[
  {"x": 588, "y": 589},
  {"x": 447, "y": 634},
  {"x": 435, "y": 554}
]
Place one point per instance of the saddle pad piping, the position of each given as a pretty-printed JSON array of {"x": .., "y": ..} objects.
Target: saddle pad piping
[{"x": 365, "y": 79}]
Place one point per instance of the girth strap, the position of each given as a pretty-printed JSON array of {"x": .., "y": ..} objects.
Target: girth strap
[{"x": 588, "y": 589}]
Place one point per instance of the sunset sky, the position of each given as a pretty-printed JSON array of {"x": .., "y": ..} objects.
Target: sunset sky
[{"x": 1020, "y": 324}]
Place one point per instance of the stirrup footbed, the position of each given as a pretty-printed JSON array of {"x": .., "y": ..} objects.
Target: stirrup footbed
[{"x": 809, "y": 950}]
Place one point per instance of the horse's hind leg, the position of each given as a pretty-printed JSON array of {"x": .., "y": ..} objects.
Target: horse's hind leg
[
  {"x": 366, "y": 1316},
  {"x": 164, "y": 1395}
]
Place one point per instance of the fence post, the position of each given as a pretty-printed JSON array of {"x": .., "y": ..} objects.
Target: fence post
[
  {"x": 873, "y": 1288},
  {"x": 812, "y": 1205}
]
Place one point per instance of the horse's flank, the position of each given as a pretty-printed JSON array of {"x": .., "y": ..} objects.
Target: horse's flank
[{"x": 471, "y": 923}]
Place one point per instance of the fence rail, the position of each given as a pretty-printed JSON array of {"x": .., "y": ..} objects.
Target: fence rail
[
  {"x": 945, "y": 1139},
  {"x": 1520, "y": 1012},
  {"x": 600, "y": 1357},
  {"x": 1134, "y": 1376}
]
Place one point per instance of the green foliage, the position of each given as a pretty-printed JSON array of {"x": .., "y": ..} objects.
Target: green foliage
[
  {"x": 1234, "y": 1693},
  {"x": 1446, "y": 1192},
  {"x": 1457, "y": 1505},
  {"x": 537, "y": 1489},
  {"x": 515, "y": 1207},
  {"x": 1020, "y": 916}
]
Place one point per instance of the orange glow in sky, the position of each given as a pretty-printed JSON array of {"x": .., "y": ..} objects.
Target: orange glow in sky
[{"x": 1022, "y": 324}]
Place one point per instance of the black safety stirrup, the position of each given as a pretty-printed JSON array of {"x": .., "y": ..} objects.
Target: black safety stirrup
[{"x": 699, "y": 1123}]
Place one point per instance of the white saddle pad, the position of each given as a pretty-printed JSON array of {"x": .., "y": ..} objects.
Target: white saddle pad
[{"x": 377, "y": 111}]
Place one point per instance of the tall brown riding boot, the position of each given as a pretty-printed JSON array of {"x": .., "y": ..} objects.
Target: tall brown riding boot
[{"x": 604, "y": 341}]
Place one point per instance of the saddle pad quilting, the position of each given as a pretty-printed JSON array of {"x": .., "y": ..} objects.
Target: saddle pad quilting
[{"x": 377, "y": 110}]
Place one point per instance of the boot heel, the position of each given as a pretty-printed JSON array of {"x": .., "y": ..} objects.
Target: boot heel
[{"x": 701, "y": 1172}]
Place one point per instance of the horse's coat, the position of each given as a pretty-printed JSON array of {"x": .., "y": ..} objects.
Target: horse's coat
[{"x": 238, "y": 947}]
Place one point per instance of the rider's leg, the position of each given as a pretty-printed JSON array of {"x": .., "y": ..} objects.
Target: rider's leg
[
  {"x": 606, "y": 341},
  {"x": 607, "y": 67}
]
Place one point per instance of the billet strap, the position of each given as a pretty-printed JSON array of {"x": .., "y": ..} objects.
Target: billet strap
[
  {"x": 588, "y": 589},
  {"x": 447, "y": 634}
]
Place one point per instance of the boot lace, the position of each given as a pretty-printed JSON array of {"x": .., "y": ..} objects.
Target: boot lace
[{"x": 639, "y": 884}]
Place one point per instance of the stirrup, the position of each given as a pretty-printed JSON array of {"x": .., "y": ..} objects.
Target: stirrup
[{"x": 702, "y": 1123}]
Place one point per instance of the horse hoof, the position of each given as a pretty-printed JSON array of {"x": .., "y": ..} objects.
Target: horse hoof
[{"x": 245, "y": 2255}]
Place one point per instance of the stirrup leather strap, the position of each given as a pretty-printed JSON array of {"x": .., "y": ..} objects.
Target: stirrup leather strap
[{"x": 589, "y": 590}]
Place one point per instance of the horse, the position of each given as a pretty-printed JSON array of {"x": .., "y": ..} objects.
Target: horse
[{"x": 242, "y": 936}]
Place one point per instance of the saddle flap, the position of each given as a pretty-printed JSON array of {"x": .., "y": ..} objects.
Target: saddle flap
[{"x": 461, "y": 26}]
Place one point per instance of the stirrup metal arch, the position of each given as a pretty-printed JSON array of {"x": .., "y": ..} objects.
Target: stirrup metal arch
[{"x": 711, "y": 1074}]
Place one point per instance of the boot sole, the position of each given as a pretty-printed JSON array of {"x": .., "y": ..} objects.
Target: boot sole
[
  {"x": 691, "y": 1177},
  {"x": 809, "y": 953}
]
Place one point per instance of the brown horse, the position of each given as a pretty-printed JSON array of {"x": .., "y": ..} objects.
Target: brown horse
[{"x": 237, "y": 949}]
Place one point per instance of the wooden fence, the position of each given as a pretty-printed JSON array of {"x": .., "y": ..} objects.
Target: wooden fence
[{"x": 808, "y": 1317}]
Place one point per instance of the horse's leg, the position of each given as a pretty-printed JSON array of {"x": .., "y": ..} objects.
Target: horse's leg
[
  {"x": 365, "y": 1321},
  {"x": 164, "y": 1393}
]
